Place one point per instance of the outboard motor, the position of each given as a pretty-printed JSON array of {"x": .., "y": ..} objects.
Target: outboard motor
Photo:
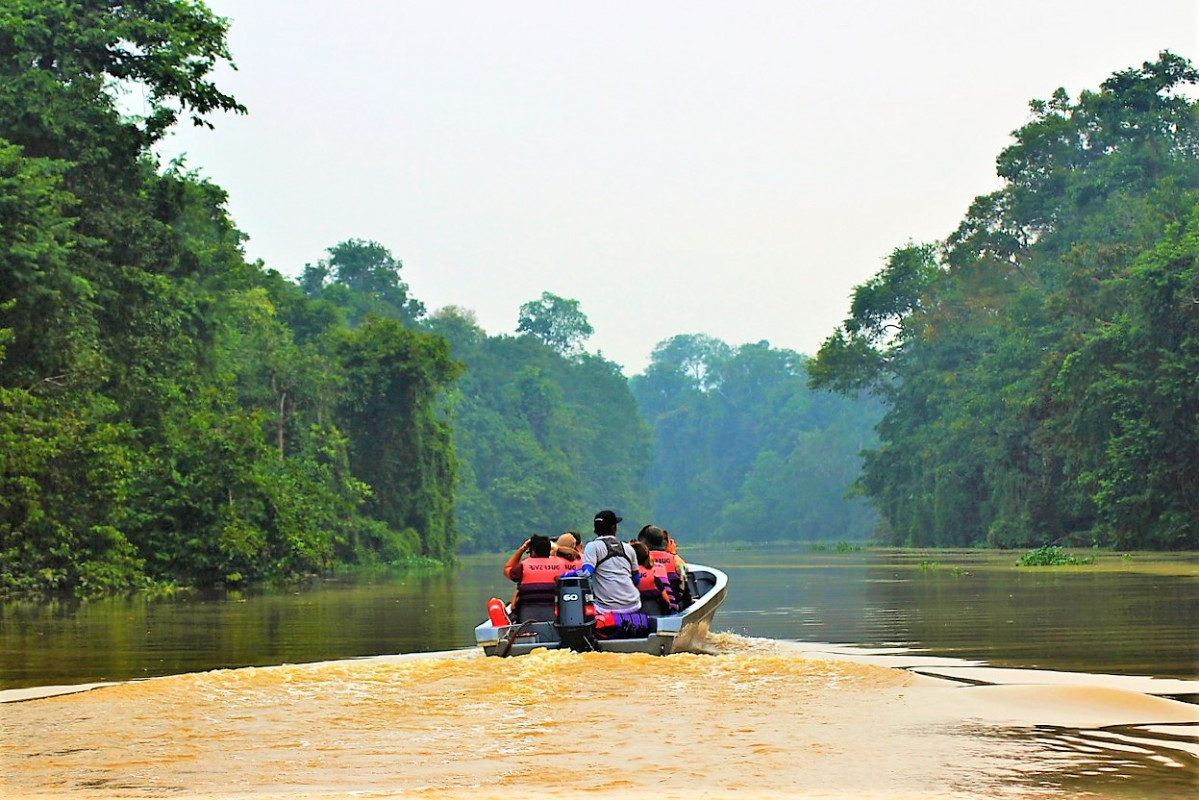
[{"x": 576, "y": 613}]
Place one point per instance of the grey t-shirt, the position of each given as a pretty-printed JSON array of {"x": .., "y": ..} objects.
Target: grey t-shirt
[{"x": 613, "y": 583}]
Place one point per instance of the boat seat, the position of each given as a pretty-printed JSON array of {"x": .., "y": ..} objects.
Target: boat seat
[
  {"x": 535, "y": 612},
  {"x": 653, "y": 608}
]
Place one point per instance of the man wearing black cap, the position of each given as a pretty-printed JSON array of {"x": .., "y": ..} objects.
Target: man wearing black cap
[{"x": 612, "y": 565}]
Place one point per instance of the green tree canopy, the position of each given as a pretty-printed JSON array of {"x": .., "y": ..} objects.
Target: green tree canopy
[
  {"x": 1036, "y": 363},
  {"x": 542, "y": 439},
  {"x": 744, "y": 450},
  {"x": 362, "y": 278},
  {"x": 62, "y": 53},
  {"x": 169, "y": 411},
  {"x": 557, "y": 321}
]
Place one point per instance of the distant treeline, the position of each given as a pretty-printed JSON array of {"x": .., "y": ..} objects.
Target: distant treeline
[
  {"x": 745, "y": 451},
  {"x": 737, "y": 447},
  {"x": 1041, "y": 365},
  {"x": 546, "y": 433},
  {"x": 170, "y": 413}
]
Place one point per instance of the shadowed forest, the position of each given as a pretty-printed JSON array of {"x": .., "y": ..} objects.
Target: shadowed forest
[{"x": 171, "y": 413}]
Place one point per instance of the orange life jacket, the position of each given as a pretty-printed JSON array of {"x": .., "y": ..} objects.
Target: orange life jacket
[
  {"x": 648, "y": 583},
  {"x": 575, "y": 562},
  {"x": 651, "y": 582},
  {"x": 666, "y": 562},
  {"x": 537, "y": 579}
]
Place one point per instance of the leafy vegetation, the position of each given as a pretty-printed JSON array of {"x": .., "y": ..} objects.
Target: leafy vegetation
[
  {"x": 1051, "y": 556},
  {"x": 174, "y": 415},
  {"x": 1038, "y": 366},
  {"x": 545, "y": 432},
  {"x": 169, "y": 412}
]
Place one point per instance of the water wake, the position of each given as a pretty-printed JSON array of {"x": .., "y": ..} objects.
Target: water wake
[{"x": 758, "y": 719}]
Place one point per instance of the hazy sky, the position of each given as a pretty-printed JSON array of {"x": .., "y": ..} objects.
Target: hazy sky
[{"x": 729, "y": 168}]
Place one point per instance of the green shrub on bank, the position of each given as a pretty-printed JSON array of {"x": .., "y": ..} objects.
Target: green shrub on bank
[{"x": 1051, "y": 556}]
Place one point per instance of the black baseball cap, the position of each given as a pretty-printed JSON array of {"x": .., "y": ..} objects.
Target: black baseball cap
[{"x": 607, "y": 517}]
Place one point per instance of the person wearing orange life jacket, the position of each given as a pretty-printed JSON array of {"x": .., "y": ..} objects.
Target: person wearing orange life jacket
[
  {"x": 535, "y": 578},
  {"x": 688, "y": 578},
  {"x": 674, "y": 566},
  {"x": 653, "y": 584}
]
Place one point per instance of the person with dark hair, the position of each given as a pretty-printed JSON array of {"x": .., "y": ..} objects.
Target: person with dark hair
[
  {"x": 653, "y": 584},
  {"x": 612, "y": 565},
  {"x": 534, "y": 578},
  {"x": 672, "y": 565}
]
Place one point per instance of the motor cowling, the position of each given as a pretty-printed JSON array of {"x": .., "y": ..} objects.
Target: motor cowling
[{"x": 576, "y": 613}]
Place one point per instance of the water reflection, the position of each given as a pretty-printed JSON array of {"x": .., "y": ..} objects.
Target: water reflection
[
  {"x": 1081, "y": 620},
  {"x": 1120, "y": 762},
  {"x": 974, "y": 605},
  {"x": 65, "y": 642}
]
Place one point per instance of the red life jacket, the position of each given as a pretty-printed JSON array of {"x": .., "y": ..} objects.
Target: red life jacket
[{"x": 537, "y": 579}]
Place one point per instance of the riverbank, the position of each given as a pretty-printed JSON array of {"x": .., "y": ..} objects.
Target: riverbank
[{"x": 959, "y": 560}]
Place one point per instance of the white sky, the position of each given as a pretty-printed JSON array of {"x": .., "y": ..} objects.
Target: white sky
[{"x": 729, "y": 168}]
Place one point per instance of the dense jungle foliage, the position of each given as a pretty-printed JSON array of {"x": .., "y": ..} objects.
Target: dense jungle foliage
[
  {"x": 546, "y": 433},
  {"x": 1039, "y": 365},
  {"x": 718, "y": 444},
  {"x": 170, "y": 413}
]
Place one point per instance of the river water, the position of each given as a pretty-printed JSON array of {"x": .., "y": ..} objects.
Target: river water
[{"x": 871, "y": 674}]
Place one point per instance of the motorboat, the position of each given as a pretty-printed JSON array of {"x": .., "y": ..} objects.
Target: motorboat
[{"x": 668, "y": 633}]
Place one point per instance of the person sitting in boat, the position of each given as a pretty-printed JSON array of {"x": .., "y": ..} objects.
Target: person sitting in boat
[
  {"x": 612, "y": 565},
  {"x": 653, "y": 584},
  {"x": 568, "y": 546},
  {"x": 673, "y": 565},
  {"x": 534, "y": 578}
]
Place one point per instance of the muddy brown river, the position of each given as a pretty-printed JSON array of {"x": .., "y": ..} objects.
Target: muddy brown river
[{"x": 907, "y": 705}]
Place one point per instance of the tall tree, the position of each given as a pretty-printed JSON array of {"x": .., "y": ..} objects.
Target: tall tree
[
  {"x": 399, "y": 445},
  {"x": 363, "y": 278},
  {"x": 71, "y": 54},
  {"x": 557, "y": 321},
  {"x": 167, "y": 410}
]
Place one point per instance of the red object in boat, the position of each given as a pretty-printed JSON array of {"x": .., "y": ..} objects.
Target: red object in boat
[{"x": 497, "y": 613}]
